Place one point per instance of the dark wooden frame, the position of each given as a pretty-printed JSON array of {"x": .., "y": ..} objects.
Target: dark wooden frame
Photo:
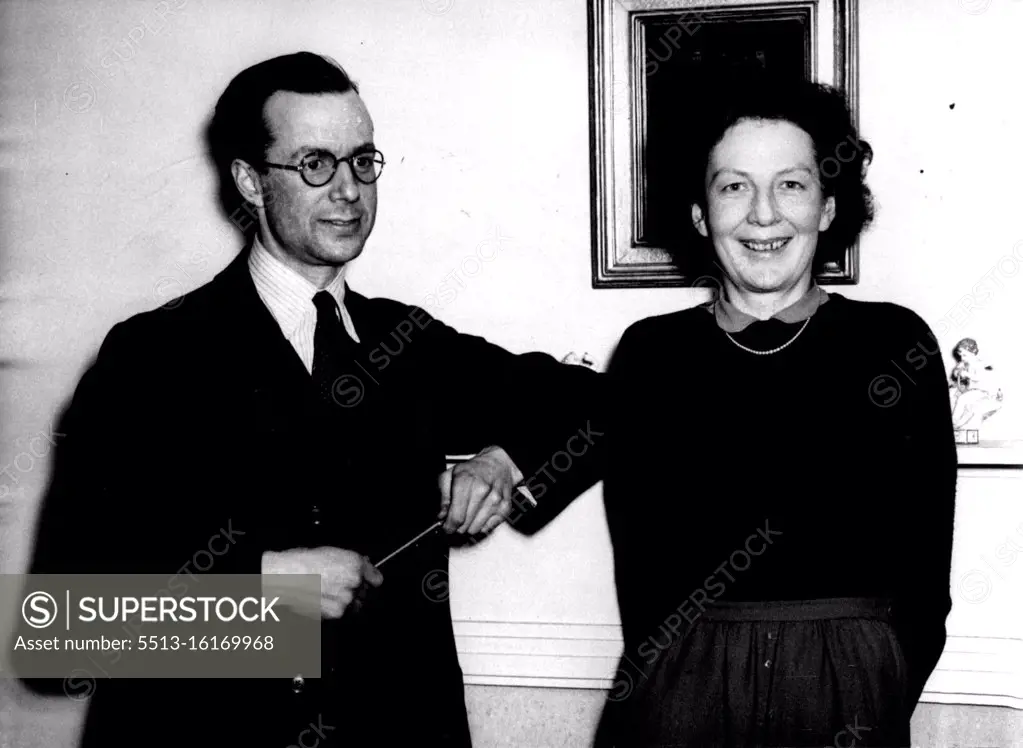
[{"x": 615, "y": 35}]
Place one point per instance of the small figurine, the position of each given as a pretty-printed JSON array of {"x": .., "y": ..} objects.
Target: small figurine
[{"x": 973, "y": 392}]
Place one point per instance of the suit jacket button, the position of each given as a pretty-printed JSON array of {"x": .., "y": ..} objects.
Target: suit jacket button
[
  {"x": 298, "y": 684},
  {"x": 315, "y": 512}
]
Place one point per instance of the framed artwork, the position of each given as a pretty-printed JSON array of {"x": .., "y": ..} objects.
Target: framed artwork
[{"x": 649, "y": 61}]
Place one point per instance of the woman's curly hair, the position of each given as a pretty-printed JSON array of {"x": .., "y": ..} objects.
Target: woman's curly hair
[{"x": 841, "y": 155}]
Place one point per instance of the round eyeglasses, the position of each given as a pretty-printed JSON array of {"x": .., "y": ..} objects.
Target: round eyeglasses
[{"x": 320, "y": 167}]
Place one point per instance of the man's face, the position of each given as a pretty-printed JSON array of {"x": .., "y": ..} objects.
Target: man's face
[{"x": 316, "y": 229}]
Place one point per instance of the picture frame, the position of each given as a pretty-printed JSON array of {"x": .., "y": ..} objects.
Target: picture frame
[{"x": 642, "y": 52}]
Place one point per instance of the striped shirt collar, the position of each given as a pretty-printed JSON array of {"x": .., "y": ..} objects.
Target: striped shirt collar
[
  {"x": 731, "y": 319},
  {"x": 288, "y": 295}
]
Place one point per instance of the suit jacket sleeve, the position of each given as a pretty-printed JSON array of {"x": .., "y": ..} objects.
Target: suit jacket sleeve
[
  {"x": 84, "y": 507},
  {"x": 548, "y": 416},
  {"x": 123, "y": 497},
  {"x": 127, "y": 493},
  {"x": 75, "y": 527}
]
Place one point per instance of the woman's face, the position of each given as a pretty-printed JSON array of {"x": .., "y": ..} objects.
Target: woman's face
[{"x": 765, "y": 206}]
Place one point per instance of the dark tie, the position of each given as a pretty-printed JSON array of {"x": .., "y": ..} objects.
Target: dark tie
[
  {"x": 334, "y": 372},
  {"x": 333, "y": 349}
]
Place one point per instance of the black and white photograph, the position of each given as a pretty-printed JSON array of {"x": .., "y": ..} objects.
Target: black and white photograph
[{"x": 511, "y": 374}]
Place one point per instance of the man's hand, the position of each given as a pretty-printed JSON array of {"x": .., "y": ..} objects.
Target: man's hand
[
  {"x": 476, "y": 495},
  {"x": 344, "y": 577}
]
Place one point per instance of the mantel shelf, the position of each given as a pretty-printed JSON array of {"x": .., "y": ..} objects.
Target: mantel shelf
[{"x": 992, "y": 452}]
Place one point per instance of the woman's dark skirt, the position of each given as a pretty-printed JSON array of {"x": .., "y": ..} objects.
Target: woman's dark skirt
[{"x": 793, "y": 673}]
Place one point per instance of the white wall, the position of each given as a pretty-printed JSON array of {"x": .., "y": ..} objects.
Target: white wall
[{"x": 481, "y": 109}]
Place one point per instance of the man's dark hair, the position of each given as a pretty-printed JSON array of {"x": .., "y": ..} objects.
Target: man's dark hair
[
  {"x": 841, "y": 156},
  {"x": 238, "y": 128}
]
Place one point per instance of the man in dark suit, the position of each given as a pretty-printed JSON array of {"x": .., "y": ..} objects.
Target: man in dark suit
[{"x": 276, "y": 421}]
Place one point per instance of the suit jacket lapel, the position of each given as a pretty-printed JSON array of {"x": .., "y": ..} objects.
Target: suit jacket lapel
[{"x": 269, "y": 373}]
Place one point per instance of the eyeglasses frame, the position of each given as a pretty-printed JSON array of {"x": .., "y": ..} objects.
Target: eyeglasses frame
[{"x": 338, "y": 160}]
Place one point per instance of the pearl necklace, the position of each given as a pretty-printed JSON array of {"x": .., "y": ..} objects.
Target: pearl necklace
[{"x": 773, "y": 350}]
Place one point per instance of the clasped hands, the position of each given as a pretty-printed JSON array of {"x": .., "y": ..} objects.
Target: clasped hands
[{"x": 476, "y": 496}]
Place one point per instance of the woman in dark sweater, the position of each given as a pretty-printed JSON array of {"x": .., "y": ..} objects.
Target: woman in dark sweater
[{"x": 781, "y": 514}]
